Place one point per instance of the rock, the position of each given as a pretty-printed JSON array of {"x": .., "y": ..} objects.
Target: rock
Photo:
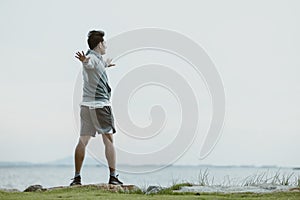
[
  {"x": 267, "y": 186},
  {"x": 101, "y": 186},
  {"x": 104, "y": 186},
  {"x": 152, "y": 189},
  {"x": 108, "y": 187},
  {"x": 234, "y": 189},
  {"x": 295, "y": 189},
  {"x": 130, "y": 188},
  {"x": 34, "y": 188}
]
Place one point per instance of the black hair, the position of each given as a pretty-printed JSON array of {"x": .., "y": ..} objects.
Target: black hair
[{"x": 94, "y": 38}]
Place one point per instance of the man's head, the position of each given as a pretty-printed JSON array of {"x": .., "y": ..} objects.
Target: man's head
[{"x": 96, "y": 41}]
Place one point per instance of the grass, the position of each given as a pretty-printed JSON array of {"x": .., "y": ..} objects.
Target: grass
[
  {"x": 203, "y": 178},
  {"x": 276, "y": 179},
  {"x": 94, "y": 193},
  {"x": 169, "y": 190}
]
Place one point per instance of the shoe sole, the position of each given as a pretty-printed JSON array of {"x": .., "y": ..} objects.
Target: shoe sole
[{"x": 115, "y": 183}]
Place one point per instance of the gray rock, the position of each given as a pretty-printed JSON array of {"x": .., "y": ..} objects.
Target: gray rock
[
  {"x": 34, "y": 188},
  {"x": 234, "y": 189},
  {"x": 267, "y": 186},
  {"x": 152, "y": 189}
]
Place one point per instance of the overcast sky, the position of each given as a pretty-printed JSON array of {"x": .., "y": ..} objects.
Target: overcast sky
[{"x": 255, "y": 46}]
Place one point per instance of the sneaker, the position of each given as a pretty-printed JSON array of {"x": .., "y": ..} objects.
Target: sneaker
[
  {"x": 76, "y": 181},
  {"x": 114, "y": 180}
]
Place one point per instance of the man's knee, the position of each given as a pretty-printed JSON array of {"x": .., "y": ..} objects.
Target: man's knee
[
  {"x": 83, "y": 140},
  {"x": 107, "y": 138}
]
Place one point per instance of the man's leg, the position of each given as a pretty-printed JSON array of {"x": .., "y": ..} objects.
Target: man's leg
[
  {"x": 79, "y": 157},
  {"x": 110, "y": 153},
  {"x": 111, "y": 158},
  {"x": 80, "y": 152}
]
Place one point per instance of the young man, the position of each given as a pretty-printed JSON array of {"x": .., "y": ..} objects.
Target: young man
[{"x": 95, "y": 110}]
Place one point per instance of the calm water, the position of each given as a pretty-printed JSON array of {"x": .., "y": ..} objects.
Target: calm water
[{"x": 50, "y": 176}]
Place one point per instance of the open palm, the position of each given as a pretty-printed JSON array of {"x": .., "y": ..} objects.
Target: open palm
[{"x": 81, "y": 56}]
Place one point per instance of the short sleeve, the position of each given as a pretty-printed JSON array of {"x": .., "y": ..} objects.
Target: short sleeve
[{"x": 91, "y": 63}]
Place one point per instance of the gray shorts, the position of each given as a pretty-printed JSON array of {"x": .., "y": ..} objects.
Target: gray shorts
[{"x": 100, "y": 120}]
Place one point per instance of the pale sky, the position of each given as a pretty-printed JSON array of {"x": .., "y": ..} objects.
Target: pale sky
[{"x": 255, "y": 46}]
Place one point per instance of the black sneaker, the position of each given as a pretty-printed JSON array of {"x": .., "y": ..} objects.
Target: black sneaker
[
  {"x": 114, "y": 180},
  {"x": 76, "y": 181}
]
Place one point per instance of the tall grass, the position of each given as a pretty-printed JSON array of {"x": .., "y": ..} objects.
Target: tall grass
[
  {"x": 290, "y": 179},
  {"x": 203, "y": 178},
  {"x": 275, "y": 179}
]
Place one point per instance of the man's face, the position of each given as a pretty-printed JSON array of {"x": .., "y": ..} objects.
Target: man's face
[{"x": 102, "y": 47}]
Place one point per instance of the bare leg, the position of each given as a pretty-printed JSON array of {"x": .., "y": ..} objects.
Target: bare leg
[
  {"x": 80, "y": 152},
  {"x": 110, "y": 153}
]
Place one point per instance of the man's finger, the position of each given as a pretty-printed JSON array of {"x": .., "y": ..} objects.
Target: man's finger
[{"x": 82, "y": 53}]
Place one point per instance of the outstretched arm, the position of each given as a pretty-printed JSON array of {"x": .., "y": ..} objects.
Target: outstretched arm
[
  {"x": 108, "y": 63},
  {"x": 85, "y": 60},
  {"x": 81, "y": 56}
]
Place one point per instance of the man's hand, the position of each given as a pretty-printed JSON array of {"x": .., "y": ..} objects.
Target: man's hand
[
  {"x": 109, "y": 64},
  {"x": 81, "y": 56}
]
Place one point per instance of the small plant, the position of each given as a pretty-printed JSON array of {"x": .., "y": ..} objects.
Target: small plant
[
  {"x": 203, "y": 178},
  {"x": 286, "y": 179},
  {"x": 180, "y": 185}
]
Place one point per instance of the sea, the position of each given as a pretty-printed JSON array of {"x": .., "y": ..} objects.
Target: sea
[{"x": 20, "y": 177}]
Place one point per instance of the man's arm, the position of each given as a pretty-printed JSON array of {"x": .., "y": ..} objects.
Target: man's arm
[
  {"x": 86, "y": 62},
  {"x": 108, "y": 63}
]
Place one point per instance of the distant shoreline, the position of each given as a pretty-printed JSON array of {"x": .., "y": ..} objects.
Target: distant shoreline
[{"x": 28, "y": 164}]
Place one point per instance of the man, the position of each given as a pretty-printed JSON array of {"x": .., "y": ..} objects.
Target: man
[{"x": 95, "y": 109}]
